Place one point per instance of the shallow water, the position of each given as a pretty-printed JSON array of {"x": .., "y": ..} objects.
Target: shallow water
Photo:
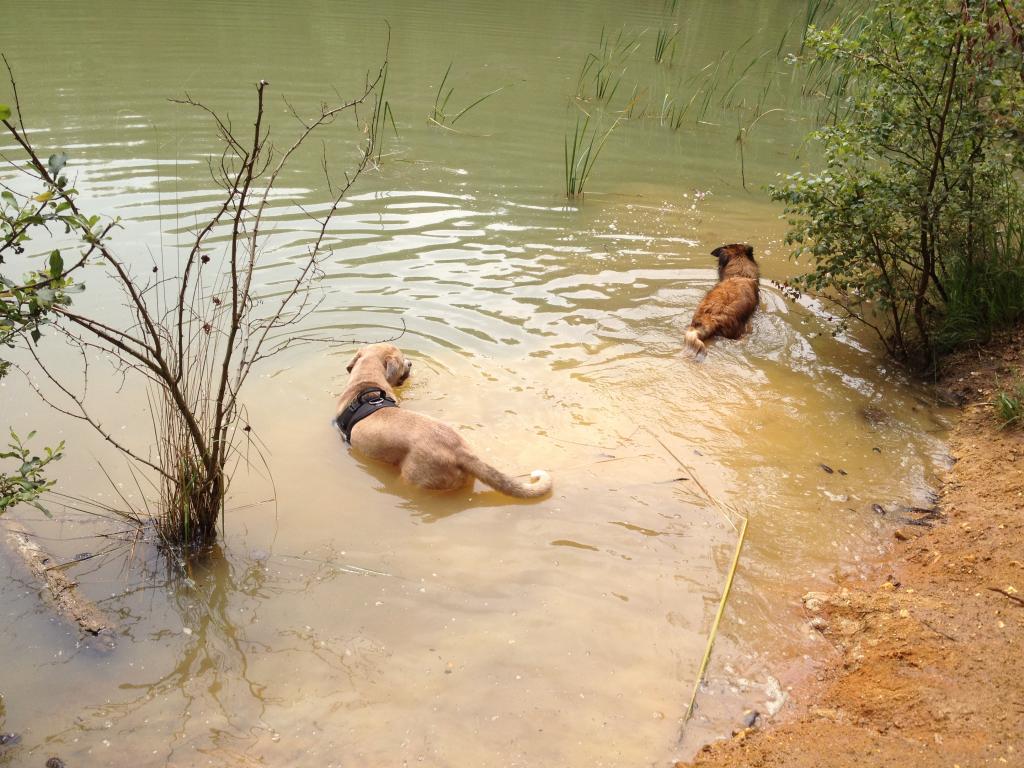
[{"x": 351, "y": 620}]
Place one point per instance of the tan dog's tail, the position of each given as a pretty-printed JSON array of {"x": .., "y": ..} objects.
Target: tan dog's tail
[
  {"x": 695, "y": 343},
  {"x": 539, "y": 485}
]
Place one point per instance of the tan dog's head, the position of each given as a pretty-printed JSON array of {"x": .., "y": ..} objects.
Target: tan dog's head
[
  {"x": 376, "y": 359},
  {"x": 735, "y": 260}
]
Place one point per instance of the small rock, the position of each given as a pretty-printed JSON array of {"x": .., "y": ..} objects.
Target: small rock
[
  {"x": 819, "y": 624},
  {"x": 900, "y": 535},
  {"x": 750, "y": 718},
  {"x": 827, "y": 468},
  {"x": 878, "y": 509},
  {"x": 9, "y": 739},
  {"x": 776, "y": 696},
  {"x": 54, "y": 762},
  {"x": 814, "y": 601}
]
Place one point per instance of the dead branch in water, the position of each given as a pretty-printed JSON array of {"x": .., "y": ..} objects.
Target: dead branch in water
[{"x": 69, "y": 602}]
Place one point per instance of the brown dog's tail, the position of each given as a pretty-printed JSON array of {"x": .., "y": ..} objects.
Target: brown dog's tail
[
  {"x": 539, "y": 485},
  {"x": 695, "y": 343}
]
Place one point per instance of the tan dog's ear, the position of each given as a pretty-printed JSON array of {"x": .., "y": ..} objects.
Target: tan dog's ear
[
  {"x": 352, "y": 364},
  {"x": 392, "y": 369}
]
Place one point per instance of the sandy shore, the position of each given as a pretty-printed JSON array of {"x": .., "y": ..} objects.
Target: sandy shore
[{"x": 926, "y": 668}]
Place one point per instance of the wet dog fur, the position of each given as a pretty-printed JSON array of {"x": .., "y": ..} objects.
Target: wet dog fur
[
  {"x": 428, "y": 453},
  {"x": 728, "y": 306}
]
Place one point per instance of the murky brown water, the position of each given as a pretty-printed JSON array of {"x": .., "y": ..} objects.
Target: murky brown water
[{"x": 353, "y": 621}]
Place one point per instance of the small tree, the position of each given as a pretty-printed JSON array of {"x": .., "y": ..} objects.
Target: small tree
[
  {"x": 918, "y": 193},
  {"x": 26, "y": 304},
  {"x": 196, "y": 334}
]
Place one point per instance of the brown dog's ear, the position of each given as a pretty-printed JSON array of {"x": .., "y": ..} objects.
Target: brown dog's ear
[
  {"x": 352, "y": 364},
  {"x": 392, "y": 369},
  {"x": 749, "y": 249}
]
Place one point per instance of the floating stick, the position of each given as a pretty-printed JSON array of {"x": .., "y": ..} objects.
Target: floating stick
[{"x": 718, "y": 619}]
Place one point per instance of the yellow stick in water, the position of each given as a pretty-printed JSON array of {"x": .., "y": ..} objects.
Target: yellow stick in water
[{"x": 718, "y": 619}]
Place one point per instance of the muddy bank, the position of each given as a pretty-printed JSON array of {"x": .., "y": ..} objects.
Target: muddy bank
[{"x": 924, "y": 666}]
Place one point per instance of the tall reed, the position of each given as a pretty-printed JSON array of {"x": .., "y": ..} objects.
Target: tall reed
[
  {"x": 439, "y": 114},
  {"x": 581, "y": 153},
  {"x": 664, "y": 42}
]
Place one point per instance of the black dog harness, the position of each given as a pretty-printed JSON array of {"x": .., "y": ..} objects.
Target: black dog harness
[{"x": 366, "y": 403}]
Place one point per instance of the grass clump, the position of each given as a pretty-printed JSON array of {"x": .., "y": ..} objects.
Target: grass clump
[
  {"x": 986, "y": 292},
  {"x": 665, "y": 43},
  {"x": 602, "y": 72},
  {"x": 1009, "y": 407},
  {"x": 581, "y": 153},
  {"x": 440, "y": 115}
]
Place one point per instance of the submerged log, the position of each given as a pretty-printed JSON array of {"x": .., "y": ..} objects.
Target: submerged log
[{"x": 69, "y": 602}]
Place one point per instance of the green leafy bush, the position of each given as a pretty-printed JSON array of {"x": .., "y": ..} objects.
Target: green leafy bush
[{"x": 912, "y": 225}]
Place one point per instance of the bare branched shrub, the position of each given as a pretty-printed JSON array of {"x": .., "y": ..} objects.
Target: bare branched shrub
[{"x": 195, "y": 336}]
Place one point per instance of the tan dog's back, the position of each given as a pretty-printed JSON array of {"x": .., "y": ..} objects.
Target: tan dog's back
[{"x": 429, "y": 453}]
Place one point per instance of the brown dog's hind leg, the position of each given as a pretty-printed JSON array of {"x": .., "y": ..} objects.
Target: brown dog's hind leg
[{"x": 695, "y": 342}]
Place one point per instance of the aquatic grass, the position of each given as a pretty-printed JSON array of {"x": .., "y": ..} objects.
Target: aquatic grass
[
  {"x": 439, "y": 114},
  {"x": 581, "y": 154},
  {"x": 633, "y": 108},
  {"x": 607, "y": 78},
  {"x": 602, "y": 72},
  {"x": 665, "y": 42},
  {"x": 724, "y": 101},
  {"x": 741, "y": 139},
  {"x": 672, "y": 112},
  {"x": 382, "y": 112}
]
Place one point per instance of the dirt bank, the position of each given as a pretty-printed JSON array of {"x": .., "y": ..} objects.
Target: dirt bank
[{"x": 926, "y": 670}]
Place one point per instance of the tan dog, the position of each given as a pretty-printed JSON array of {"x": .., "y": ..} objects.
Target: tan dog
[
  {"x": 429, "y": 454},
  {"x": 727, "y": 307}
]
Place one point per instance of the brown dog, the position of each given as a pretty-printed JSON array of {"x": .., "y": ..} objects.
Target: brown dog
[
  {"x": 727, "y": 307},
  {"x": 429, "y": 454}
]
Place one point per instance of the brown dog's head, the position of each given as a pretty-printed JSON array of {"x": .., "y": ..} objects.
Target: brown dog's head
[
  {"x": 386, "y": 358},
  {"x": 735, "y": 260}
]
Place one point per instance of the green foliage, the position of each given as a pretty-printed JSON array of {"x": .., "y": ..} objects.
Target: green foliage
[
  {"x": 1009, "y": 406},
  {"x": 27, "y": 483},
  {"x": 985, "y": 295},
  {"x": 581, "y": 153},
  {"x": 665, "y": 42},
  {"x": 440, "y": 114},
  {"x": 906, "y": 224},
  {"x": 27, "y": 302},
  {"x": 602, "y": 72}
]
